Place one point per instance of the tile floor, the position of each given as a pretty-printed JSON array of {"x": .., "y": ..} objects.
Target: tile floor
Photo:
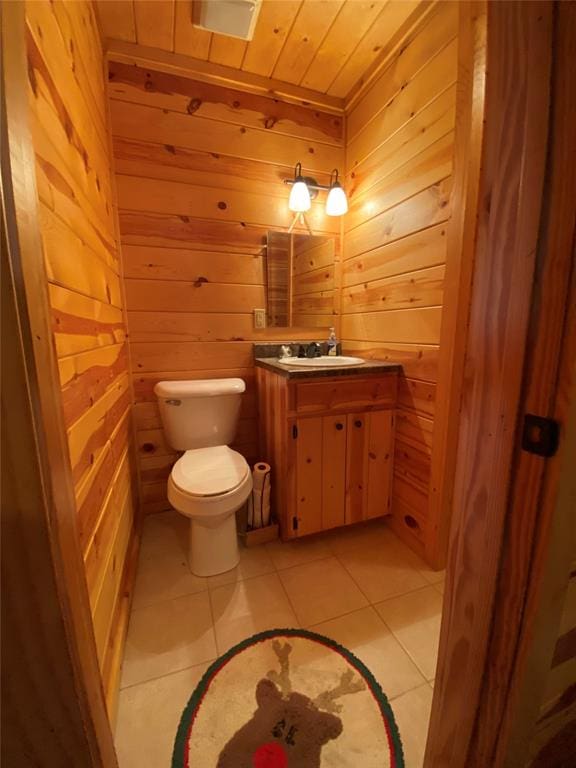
[{"x": 361, "y": 586}]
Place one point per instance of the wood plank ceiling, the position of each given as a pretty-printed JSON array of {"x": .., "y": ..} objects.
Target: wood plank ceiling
[{"x": 323, "y": 45}]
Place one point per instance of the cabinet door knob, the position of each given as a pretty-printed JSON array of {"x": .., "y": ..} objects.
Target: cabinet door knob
[
  {"x": 339, "y": 426},
  {"x": 357, "y": 423}
]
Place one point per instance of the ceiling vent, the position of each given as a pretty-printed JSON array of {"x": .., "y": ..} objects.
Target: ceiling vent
[{"x": 236, "y": 18}]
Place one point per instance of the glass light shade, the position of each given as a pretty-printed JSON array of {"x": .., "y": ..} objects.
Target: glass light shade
[
  {"x": 299, "y": 197},
  {"x": 337, "y": 202}
]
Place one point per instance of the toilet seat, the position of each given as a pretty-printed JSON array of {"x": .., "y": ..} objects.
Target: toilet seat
[
  {"x": 197, "y": 483},
  {"x": 207, "y": 472}
]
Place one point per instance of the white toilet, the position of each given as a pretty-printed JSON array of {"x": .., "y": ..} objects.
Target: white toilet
[{"x": 210, "y": 482}]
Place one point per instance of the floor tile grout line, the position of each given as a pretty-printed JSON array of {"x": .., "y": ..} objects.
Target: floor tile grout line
[
  {"x": 392, "y": 699},
  {"x": 278, "y": 569},
  {"x": 213, "y": 624},
  {"x": 346, "y": 613},
  {"x": 290, "y": 605},
  {"x": 238, "y": 581},
  {"x": 209, "y": 590},
  {"x": 209, "y": 661},
  {"x": 391, "y": 597},
  {"x": 334, "y": 555},
  {"x": 290, "y": 602},
  {"x": 353, "y": 580},
  {"x": 199, "y": 592},
  {"x": 401, "y": 546},
  {"x": 297, "y": 565},
  {"x": 137, "y": 608},
  {"x": 342, "y": 616},
  {"x": 307, "y": 562},
  {"x": 334, "y": 618},
  {"x": 397, "y": 701},
  {"x": 364, "y": 608},
  {"x": 392, "y": 634},
  {"x": 168, "y": 674},
  {"x": 312, "y": 627},
  {"x": 404, "y": 594},
  {"x": 407, "y": 651}
]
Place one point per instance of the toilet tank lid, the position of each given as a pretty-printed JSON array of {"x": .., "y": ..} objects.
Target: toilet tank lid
[{"x": 199, "y": 388}]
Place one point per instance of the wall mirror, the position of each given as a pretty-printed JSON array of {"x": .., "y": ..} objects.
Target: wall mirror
[{"x": 300, "y": 289}]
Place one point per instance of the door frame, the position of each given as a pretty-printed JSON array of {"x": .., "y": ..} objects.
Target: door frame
[
  {"x": 503, "y": 598},
  {"x": 58, "y": 705}
]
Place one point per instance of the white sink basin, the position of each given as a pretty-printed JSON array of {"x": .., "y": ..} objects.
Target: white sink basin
[{"x": 322, "y": 362}]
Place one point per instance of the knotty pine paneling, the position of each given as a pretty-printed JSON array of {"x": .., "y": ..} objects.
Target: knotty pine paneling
[
  {"x": 161, "y": 126},
  {"x": 326, "y": 46},
  {"x": 199, "y": 171},
  {"x": 156, "y": 89},
  {"x": 67, "y": 94},
  {"x": 399, "y": 163}
]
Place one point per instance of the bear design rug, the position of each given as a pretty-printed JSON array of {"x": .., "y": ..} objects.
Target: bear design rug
[{"x": 288, "y": 698}]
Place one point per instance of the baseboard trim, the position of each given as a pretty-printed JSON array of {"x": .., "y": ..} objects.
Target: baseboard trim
[{"x": 115, "y": 649}]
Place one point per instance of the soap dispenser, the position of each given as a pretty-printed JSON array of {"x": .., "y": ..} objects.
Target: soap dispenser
[{"x": 332, "y": 343}]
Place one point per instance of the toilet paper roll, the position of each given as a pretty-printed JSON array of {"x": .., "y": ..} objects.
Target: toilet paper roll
[{"x": 259, "y": 514}]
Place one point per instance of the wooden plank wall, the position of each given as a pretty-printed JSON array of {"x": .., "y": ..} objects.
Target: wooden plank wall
[
  {"x": 399, "y": 159},
  {"x": 68, "y": 117},
  {"x": 199, "y": 170}
]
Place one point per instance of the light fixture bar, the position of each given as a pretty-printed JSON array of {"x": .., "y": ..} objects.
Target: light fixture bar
[
  {"x": 290, "y": 182},
  {"x": 306, "y": 188}
]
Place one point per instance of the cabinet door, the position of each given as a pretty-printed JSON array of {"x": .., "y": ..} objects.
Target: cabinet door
[
  {"x": 380, "y": 457},
  {"x": 334, "y": 429},
  {"x": 308, "y": 447},
  {"x": 356, "y": 466}
]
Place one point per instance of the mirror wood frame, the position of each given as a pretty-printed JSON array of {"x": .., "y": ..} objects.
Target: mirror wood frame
[{"x": 287, "y": 295}]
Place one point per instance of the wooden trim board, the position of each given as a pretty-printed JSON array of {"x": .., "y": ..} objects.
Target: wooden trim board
[
  {"x": 208, "y": 72},
  {"x": 540, "y": 541},
  {"x": 51, "y": 643},
  {"x": 461, "y": 247},
  {"x": 119, "y": 630},
  {"x": 498, "y": 516}
]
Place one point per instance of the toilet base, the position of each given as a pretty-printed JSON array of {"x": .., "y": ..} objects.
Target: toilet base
[{"x": 213, "y": 550}]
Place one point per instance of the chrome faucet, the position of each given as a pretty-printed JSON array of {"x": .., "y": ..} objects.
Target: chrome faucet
[
  {"x": 314, "y": 350},
  {"x": 285, "y": 351}
]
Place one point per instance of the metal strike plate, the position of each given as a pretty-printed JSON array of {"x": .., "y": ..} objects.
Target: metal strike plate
[
  {"x": 173, "y": 402},
  {"x": 540, "y": 435}
]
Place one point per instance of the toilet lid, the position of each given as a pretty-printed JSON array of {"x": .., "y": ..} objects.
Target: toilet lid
[{"x": 209, "y": 471}]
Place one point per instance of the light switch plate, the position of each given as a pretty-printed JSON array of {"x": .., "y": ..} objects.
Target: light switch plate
[{"x": 259, "y": 318}]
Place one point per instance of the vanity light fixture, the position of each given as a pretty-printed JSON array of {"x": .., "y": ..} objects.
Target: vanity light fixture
[
  {"x": 305, "y": 189},
  {"x": 299, "y": 201},
  {"x": 336, "y": 202}
]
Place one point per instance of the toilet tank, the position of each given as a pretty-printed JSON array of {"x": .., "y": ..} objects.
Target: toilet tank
[{"x": 200, "y": 413}]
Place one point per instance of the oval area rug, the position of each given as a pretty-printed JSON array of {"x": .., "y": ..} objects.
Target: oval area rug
[{"x": 288, "y": 698}]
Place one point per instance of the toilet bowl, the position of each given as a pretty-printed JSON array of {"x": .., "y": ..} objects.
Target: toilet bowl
[
  {"x": 209, "y": 485},
  {"x": 210, "y": 481}
]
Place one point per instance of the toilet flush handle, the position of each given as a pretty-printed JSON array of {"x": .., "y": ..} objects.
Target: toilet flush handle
[{"x": 173, "y": 402}]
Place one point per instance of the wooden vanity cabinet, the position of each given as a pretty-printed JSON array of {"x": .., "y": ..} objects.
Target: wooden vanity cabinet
[{"x": 330, "y": 443}]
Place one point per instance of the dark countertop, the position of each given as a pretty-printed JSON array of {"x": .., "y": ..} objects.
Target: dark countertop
[{"x": 297, "y": 372}]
